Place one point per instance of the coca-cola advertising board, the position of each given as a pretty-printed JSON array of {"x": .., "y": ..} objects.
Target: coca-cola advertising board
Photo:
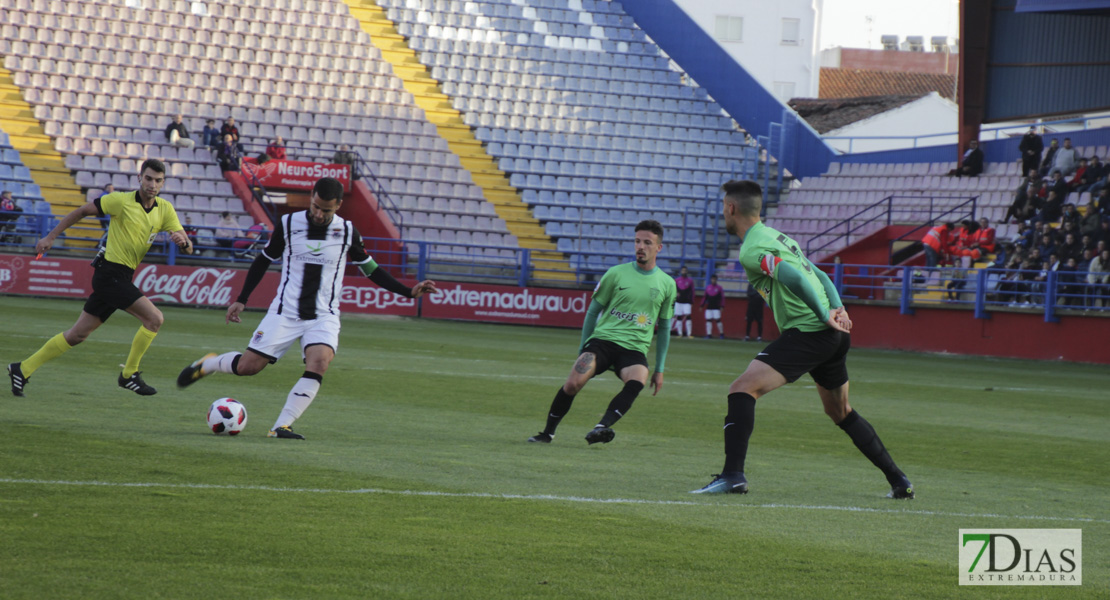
[
  {"x": 281, "y": 174},
  {"x": 191, "y": 286}
]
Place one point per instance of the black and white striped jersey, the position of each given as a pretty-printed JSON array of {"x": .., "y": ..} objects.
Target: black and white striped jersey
[{"x": 313, "y": 260}]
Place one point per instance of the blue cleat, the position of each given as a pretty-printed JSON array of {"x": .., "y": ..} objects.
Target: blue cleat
[{"x": 732, "y": 483}]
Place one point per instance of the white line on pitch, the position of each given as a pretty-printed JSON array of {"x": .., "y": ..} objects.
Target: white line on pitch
[{"x": 541, "y": 497}]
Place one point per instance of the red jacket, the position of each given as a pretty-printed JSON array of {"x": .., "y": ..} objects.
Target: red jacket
[
  {"x": 275, "y": 151},
  {"x": 985, "y": 239},
  {"x": 937, "y": 238}
]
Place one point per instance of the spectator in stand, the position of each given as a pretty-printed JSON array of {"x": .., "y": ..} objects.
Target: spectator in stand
[
  {"x": 1049, "y": 157},
  {"x": 1031, "y": 147},
  {"x": 9, "y": 213},
  {"x": 1066, "y": 159},
  {"x": 1070, "y": 248},
  {"x": 344, "y": 156},
  {"x": 227, "y": 229},
  {"x": 227, "y": 154},
  {"x": 984, "y": 241},
  {"x": 1010, "y": 286},
  {"x": 1079, "y": 175},
  {"x": 229, "y": 128},
  {"x": 1047, "y": 247},
  {"x": 1095, "y": 173},
  {"x": 936, "y": 244},
  {"x": 1059, "y": 185},
  {"x": 210, "y": 136},
  {"x": 754, "y": 314},
  {"x": 1101, "y": 184},
  {"x": 177, "y": 134},
  {"x": 1068, "y": 278},
  {"x": 712, "y": 304},
  {"x": 1052, "y": 210},
  {"x": 276, "y": 149},
  {"x": 1091, "y": 221},
  {"x": 191, "y": 231},
  {"x": 1102, "y": 202},
  {"x": 253, "y": 238},
  {"x": 1099, "y": 277},
  {"x": 1026, "y": 202},
  {"x": 972, "y": 163},
  {"x": 1070, "y": 215}
]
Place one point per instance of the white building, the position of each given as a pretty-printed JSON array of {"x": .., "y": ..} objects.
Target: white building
[{"x": 777, "y": 42}]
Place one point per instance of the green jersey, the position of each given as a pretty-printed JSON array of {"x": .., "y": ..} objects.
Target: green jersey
[
  {"x": 132, "y": 228},
  {"x": 761, "y": 254},
  {"x": 634, "y": 300}
]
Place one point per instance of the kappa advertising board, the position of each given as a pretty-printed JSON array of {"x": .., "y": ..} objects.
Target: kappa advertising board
[{"x": 298, "y": 175}]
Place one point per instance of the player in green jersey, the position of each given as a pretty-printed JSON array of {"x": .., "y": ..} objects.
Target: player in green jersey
[
  {"x": 631, "y": 302},
  {"x": 136, "y": 219},
  {"x": 814, "y": 339}
]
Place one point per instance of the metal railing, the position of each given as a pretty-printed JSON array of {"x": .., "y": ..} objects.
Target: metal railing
[{"x": 883, "y": 213}]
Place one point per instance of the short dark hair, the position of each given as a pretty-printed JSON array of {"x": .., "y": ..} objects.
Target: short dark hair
[
  {"x": 328, "y": 188},
  {"x": 652, "y": 226},
  {"x": 747, "y": 195},
  {"x": 154, "y": 165}
]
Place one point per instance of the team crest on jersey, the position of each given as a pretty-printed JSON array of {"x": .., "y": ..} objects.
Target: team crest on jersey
[
  {"x": 336, "y": 233},
  {"x": 257, "y": 337},
  {"x": 654, "y": 293}
]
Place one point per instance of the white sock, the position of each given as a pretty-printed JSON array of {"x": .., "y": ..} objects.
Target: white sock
[
  {"x": 708, "y": 328},
  {"x": 302, "y": 394},
  {"x": 721, "y": 327},
  {"x": 689, "y": 327},
  {"x": 220, "y": 364}
]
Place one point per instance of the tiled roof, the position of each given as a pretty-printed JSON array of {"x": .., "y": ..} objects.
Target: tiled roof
[
  {"x": 857, "y": 83},
  {"x": 829, "y": 114}
]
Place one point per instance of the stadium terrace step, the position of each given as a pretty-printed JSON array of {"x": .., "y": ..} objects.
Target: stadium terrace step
[
  {"x": 473, "y": 157},
  {"x": 27, "y": 135}
]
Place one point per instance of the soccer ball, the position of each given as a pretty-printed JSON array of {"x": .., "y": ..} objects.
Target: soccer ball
[{"x": 227, "y": 416}]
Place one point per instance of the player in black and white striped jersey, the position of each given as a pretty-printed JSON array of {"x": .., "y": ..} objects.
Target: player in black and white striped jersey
[{"x": 314, "y": 246}]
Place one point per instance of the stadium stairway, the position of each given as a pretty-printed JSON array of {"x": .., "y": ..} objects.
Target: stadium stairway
[
  {"x": 47, "y": 166},
  {"x": 484, "y": 170}
]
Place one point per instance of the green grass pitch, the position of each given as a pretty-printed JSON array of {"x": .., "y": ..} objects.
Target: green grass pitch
[{"x": 416, "y": 480}]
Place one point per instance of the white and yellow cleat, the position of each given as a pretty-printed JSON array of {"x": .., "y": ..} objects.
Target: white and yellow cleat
[{"x": 192, "y": 373}]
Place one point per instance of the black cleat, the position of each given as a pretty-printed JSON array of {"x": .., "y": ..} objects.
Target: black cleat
[
  {"x": 541, "y": 438},
  {"x": 18, "y": 380},
  {"x": 732, "y": 483},
  {"x": 192, "y": 373},
  {"x": 602, "y": 435},
  {"x": 136, "y": 384},
  {"x": 284, "y": 432},
  {"x": 902, "y": 491}
]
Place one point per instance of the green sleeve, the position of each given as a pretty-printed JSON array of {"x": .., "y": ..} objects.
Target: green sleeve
[
  {"x": 590, "y": 322},
  {"x": 368, "y": 267},
  {"x": 830, "y": 289},
  {"x": 796, "y": 283},
  {"x": 663, "y": 341}
]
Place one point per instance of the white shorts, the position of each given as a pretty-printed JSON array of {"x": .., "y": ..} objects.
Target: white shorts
[
  {"x": 276, "y": 333},
  {"x": 681, "y": 309},
  {"x": 712, "y": 314}
]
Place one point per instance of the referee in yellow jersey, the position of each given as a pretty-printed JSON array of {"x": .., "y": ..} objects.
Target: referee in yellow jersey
[{"x": 136, "y": 219}]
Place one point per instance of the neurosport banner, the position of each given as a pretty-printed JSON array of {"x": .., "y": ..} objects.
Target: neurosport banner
[
  {"x": 218, "y": 287},
  {"x": 285, "y": 174}
]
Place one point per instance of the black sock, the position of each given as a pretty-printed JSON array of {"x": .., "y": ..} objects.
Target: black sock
[
  {"x": 759, "y": 328},
  {"x": 235, "y": 364},
  {"x": 738, "y": 430},
  {"x": 559, "y": 407},
  {"x": 864, "y": 437},
  {"x": 619, "y": 405}
]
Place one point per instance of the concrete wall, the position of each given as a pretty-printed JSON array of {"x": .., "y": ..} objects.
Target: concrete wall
[
  {"x": 761, "y": 51},
  {"x": 929, "y": 115}
]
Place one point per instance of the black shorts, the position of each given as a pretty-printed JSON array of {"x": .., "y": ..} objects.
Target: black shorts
[
  {"x": 112, "y": 290},
  {"x": 822, "y": 354},
  {"x": 613, "y": 356}
]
